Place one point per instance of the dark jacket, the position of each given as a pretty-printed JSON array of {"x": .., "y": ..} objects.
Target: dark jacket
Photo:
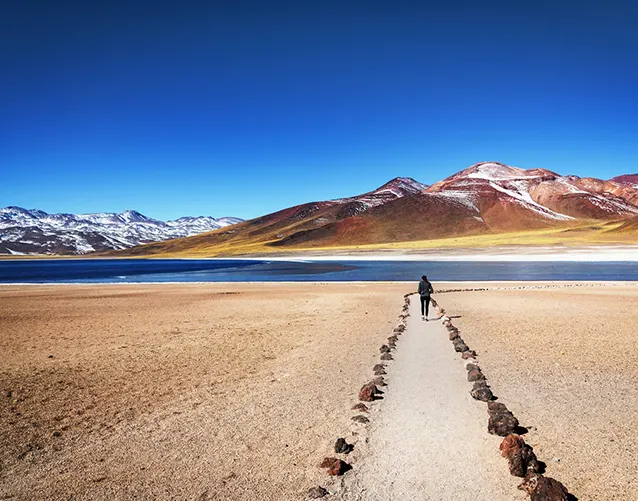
[{"x": 425, "y": 288}]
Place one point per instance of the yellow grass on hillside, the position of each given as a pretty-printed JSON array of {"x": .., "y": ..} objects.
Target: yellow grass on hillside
[{"x": 602, "y": 233}]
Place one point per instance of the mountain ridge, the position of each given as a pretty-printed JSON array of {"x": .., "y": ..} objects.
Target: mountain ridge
[
  {"x": 34, "y": 231},
  {"x": 485, "y": 198}
]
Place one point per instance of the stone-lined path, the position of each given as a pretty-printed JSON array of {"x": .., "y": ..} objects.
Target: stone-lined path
[{"x": 428, "y": 438}]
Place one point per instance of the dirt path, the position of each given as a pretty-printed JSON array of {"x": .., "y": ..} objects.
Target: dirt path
[{"x": 428, "y": 439}]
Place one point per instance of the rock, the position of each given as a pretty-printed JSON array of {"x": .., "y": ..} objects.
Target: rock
[
  {"x": 480, "y": 391},
  {"x": 523, "y": 462},
  {"x": 502, "y": 423},
  {"x": 343, "y": 447},
  {"x": 453, "y": 335},
  {"x": 367, "y": 392},
  {"x": 386, "y": 356},
  {"x": 470, "y": 367},
  {"x": 360, "y": 419},
  {"x": 379, "y": 381},
  {"x": 360, "y": 407},
  {"x": 57, "y": 433},
  {"x": 385, "y": 348},
  {"x": 399, "y": 328},
  {"x": 379, "y": 369},
  {"x": 510, "y": 443},
  {"x": 392, "y": 344},
  {"x": 520, "y": 456},
  {"x": 335, "y": 466},
  {"x": 445, "y": 318},
  {"x": 317, "y": 492},
  {"x": 493, "y": 407},
  {"x": 468, "y": 354},
  {"x": 475, "y": 375},
  {"x": 459, "y": 345},
  {"x": 542, "y": 488},
  {"x": 393, "y": 339}
]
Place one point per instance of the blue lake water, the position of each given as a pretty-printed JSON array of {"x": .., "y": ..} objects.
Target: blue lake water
[{"x": 230, "y": 270}]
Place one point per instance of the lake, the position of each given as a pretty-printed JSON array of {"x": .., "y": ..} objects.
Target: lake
[{"x": 263, "y": 270}]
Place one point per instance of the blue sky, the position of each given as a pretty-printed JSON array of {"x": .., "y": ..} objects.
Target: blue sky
[{"x": 242, "y": 108}]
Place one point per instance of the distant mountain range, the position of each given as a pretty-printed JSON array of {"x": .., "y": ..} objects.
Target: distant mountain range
[
  {"x": 24, "y": 231},
  {"x": 486, "y": 198}
]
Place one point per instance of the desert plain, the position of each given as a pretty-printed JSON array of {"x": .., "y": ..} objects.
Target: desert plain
[{"x": 238, "y": 391}]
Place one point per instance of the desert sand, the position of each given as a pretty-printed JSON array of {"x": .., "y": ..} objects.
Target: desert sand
[
  {"x": 427, "y": 438},
  {"x": 217, "y": 391},
  {"x": 565, "y": 362},
  {"x": 181, "y": 391}
]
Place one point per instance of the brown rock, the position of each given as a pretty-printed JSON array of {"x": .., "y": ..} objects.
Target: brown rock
[
  {"x": 386, "y": 356},
  {"x": 542, "y": 488},
  {"x": 453, "y": 335},
  {"x": 459, "y": 345},
  {"x": 475, "y": 375},
  {"x": 343, "y": 447},
  {"x": 360, "y": 419},
  {"x": 470, "y": 367},
  {"x": 379, "y": 369},
  {"x": 335, "y": 466},
  {"x": 510, "y": 443},
  {"x": 393, "y": 338},
  {"x": 502, "y": 423},
  {"x": 317, "y": 492},
  {"x": 367, "y": 392},
  {"x": 468, "y": 354},
  {"x": 399, "y": 328},
  {"x": 360, "y": 407},
  {"x": 480, "y": 391},
  {"x": 379, "y": 381},
  {"x": 520, "y": 456},
  {"x": 495, "y": 407},
  {"x": 385, "y": 348},
  {"x": 523, "y": 461}
]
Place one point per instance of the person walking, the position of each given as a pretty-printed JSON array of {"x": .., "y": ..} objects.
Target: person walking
[{"x": 425, "y": 289}]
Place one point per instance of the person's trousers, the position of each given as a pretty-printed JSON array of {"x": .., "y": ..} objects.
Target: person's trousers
[{"x": 425, "y": 305}]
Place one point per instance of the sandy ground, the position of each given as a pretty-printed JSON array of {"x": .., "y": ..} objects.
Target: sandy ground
[
  {"x": 181, "y": 391},
  {"x": 565, "y": 361},
  {"x": 427, "y": 439},
  {"x": 238, "y": 391}
]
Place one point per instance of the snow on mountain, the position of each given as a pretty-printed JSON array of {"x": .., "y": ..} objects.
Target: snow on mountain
[
  {"x": 506, "y": 195},
  {"x": 24, "y": 231}
]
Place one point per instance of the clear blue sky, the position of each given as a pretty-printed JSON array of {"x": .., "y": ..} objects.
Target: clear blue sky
[{"x": 242, "y": 108}]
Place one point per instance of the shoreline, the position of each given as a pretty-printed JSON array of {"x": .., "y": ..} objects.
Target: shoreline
[
  {"x": 514, "y": 253},
  {"x": 336, "y": 282}
]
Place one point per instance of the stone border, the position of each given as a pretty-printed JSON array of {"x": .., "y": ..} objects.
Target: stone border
[
  {"x": 521, "y": 458},
  {"x": 369, "y": 393}
]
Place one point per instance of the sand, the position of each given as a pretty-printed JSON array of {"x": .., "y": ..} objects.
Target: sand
[
  {"x": 427, "y": 438},
  {"x": 565, "y": 361},
  {"x": 220, "y": 391},
  {"x": 181, "y": 391}
]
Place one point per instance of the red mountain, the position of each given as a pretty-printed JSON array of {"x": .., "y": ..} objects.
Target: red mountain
[
  {"x": 631, "y": 179},
  {"x": 488, "y": 197}
]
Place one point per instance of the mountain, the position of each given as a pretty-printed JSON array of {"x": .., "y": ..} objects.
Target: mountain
[
  {"x": 511, "y": 199},
  {"x": 486, "y": 198},
  {"x": 631, "y": 179},
  {"x": 24, "y": 231}
]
